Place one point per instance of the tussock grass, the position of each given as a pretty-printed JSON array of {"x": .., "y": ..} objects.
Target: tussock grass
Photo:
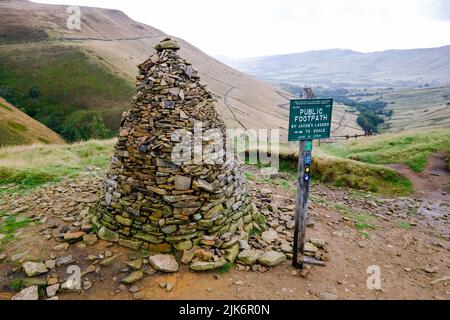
[
  {"x": 409, "y": 148},
  {"x": 26, "y": 167}
]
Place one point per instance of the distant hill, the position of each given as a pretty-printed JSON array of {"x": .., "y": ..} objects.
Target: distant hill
[
  {"x": 18, "y": 128},
  {"x": 347, "y": 68},
  {"x": 65, "y": 78},
  {"x": 418, "y": 108}
]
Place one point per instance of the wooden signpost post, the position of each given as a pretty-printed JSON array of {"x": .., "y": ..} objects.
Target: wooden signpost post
[{"x": 309, "y": 119}]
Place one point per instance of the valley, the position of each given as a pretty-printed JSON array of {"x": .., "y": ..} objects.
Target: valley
[{"x": 89, "y": 121}]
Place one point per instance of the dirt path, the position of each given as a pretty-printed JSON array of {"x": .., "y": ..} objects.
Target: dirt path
[
  {"x": 409, "y": 252},
  {"x": 432, "y": 182}
]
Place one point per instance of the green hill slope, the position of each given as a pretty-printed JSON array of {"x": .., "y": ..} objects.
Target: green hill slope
[
  {"x": 18, "y": 128},
  {"x": 66, "y": 88}
]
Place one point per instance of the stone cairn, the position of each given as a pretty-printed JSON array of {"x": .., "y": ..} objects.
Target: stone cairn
[{"x": 148, "y": 201}]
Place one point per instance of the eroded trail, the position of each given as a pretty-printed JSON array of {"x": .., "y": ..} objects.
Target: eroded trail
[{"x": 432, "y": 182}]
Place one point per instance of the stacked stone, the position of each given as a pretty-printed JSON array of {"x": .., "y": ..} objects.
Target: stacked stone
[{"x": 150, "y": 202}]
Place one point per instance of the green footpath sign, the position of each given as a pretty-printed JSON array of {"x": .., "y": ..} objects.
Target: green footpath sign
[{"x": 310, "y": 119}]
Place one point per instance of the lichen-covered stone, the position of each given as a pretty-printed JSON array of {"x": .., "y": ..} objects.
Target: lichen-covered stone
[
  {"x": 249, "y": 257},
  {"x": 33, "y": 269},
  {"x": 131, "y": 244},
  {"x": 108, "y": 235},
  {"x": 133, "y": 277},
  {"x": 272, "y": 258}
]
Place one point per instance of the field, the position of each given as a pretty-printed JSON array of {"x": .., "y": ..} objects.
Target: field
[
  {"x": 23, "y": 168},
  {"x": 65, "y": 88},
  {"x": 420, "y": 108}
]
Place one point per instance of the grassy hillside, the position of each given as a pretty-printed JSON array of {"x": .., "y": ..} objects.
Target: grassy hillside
[
  {"x": 122, "y": 43},
  {"x": 24, "y": 167},
  {"x": 419, "y": 108},
  {"x": 65, "y": 88},
  {"x": 409, "y": 148},
  {"x": 18, "y": 128}
]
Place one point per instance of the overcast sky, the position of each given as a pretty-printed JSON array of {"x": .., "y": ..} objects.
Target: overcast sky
[{"x": 246, "y": 28}]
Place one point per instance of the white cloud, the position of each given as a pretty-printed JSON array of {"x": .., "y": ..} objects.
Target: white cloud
[{"x": 242, "y": 28}]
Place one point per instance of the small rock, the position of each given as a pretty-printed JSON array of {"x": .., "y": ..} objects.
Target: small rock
[
  {"x": 61, "y": 247},
  {"x": 182, "y": 183},
  {"x": 272, "y": 259},
  {"x": 164, "y": 263},
  {"x": 70, "y": 285},
  {"x": 133, "y": 277},
  {"x": 108, "y": 261},
  {"x": 134, "y": 289},
  {"x": 87, "y": 285},
  {"x": 90, "y": 239},
  {"x": 30, "y": 293},
  {"x": 52, "y": 281},
  {"x": 328, "y": 296},
  {"x": 51, "y": 290},
  {"x": 319, "y": 243},
  {"x": 204, "y": 266},
  {"x": 443, "y": 279},
  {"x": 249, "y": 257},
  {"x": 138, "y": 296},
  {"x": 286, "y": 248},
  {"x": 135, "y": 264},
  {"x": 290, "y": 224},
  {"x": 50, "y": 264},
  {"x": 243, "y": 245},
  {"x": 18, "y": 257},
  {"x": 73, "y": 237},
  {"x": 269, "y": 236},
  {"x": 33, "y": 269},
  {"x": 187, "y": 257},
  {"x": 309, "y": 247},
  {"x": 2, "y": 257},
  {"x": 169, "y": 287},
  {"x": 61, "y": 261},
  {"x": 431, "y": 269}
]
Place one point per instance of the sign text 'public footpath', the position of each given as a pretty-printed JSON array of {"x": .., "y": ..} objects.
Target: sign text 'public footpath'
[{"x": 310, "y": 119}]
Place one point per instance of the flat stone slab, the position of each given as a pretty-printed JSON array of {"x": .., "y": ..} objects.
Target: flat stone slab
[
  {"x": 33, "y": 269},
  {"x": 30, "y": 293},
  {"x": 133, "y": 277},
  {"x": 269, "y": 236},
  {"x": 205, "y": 266},
  {"x": 164, "y": 262},
  {"x": 74, "y": 236},
  {"x": 249, "y": 257},
  {"x": 272, "y": 259}
]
